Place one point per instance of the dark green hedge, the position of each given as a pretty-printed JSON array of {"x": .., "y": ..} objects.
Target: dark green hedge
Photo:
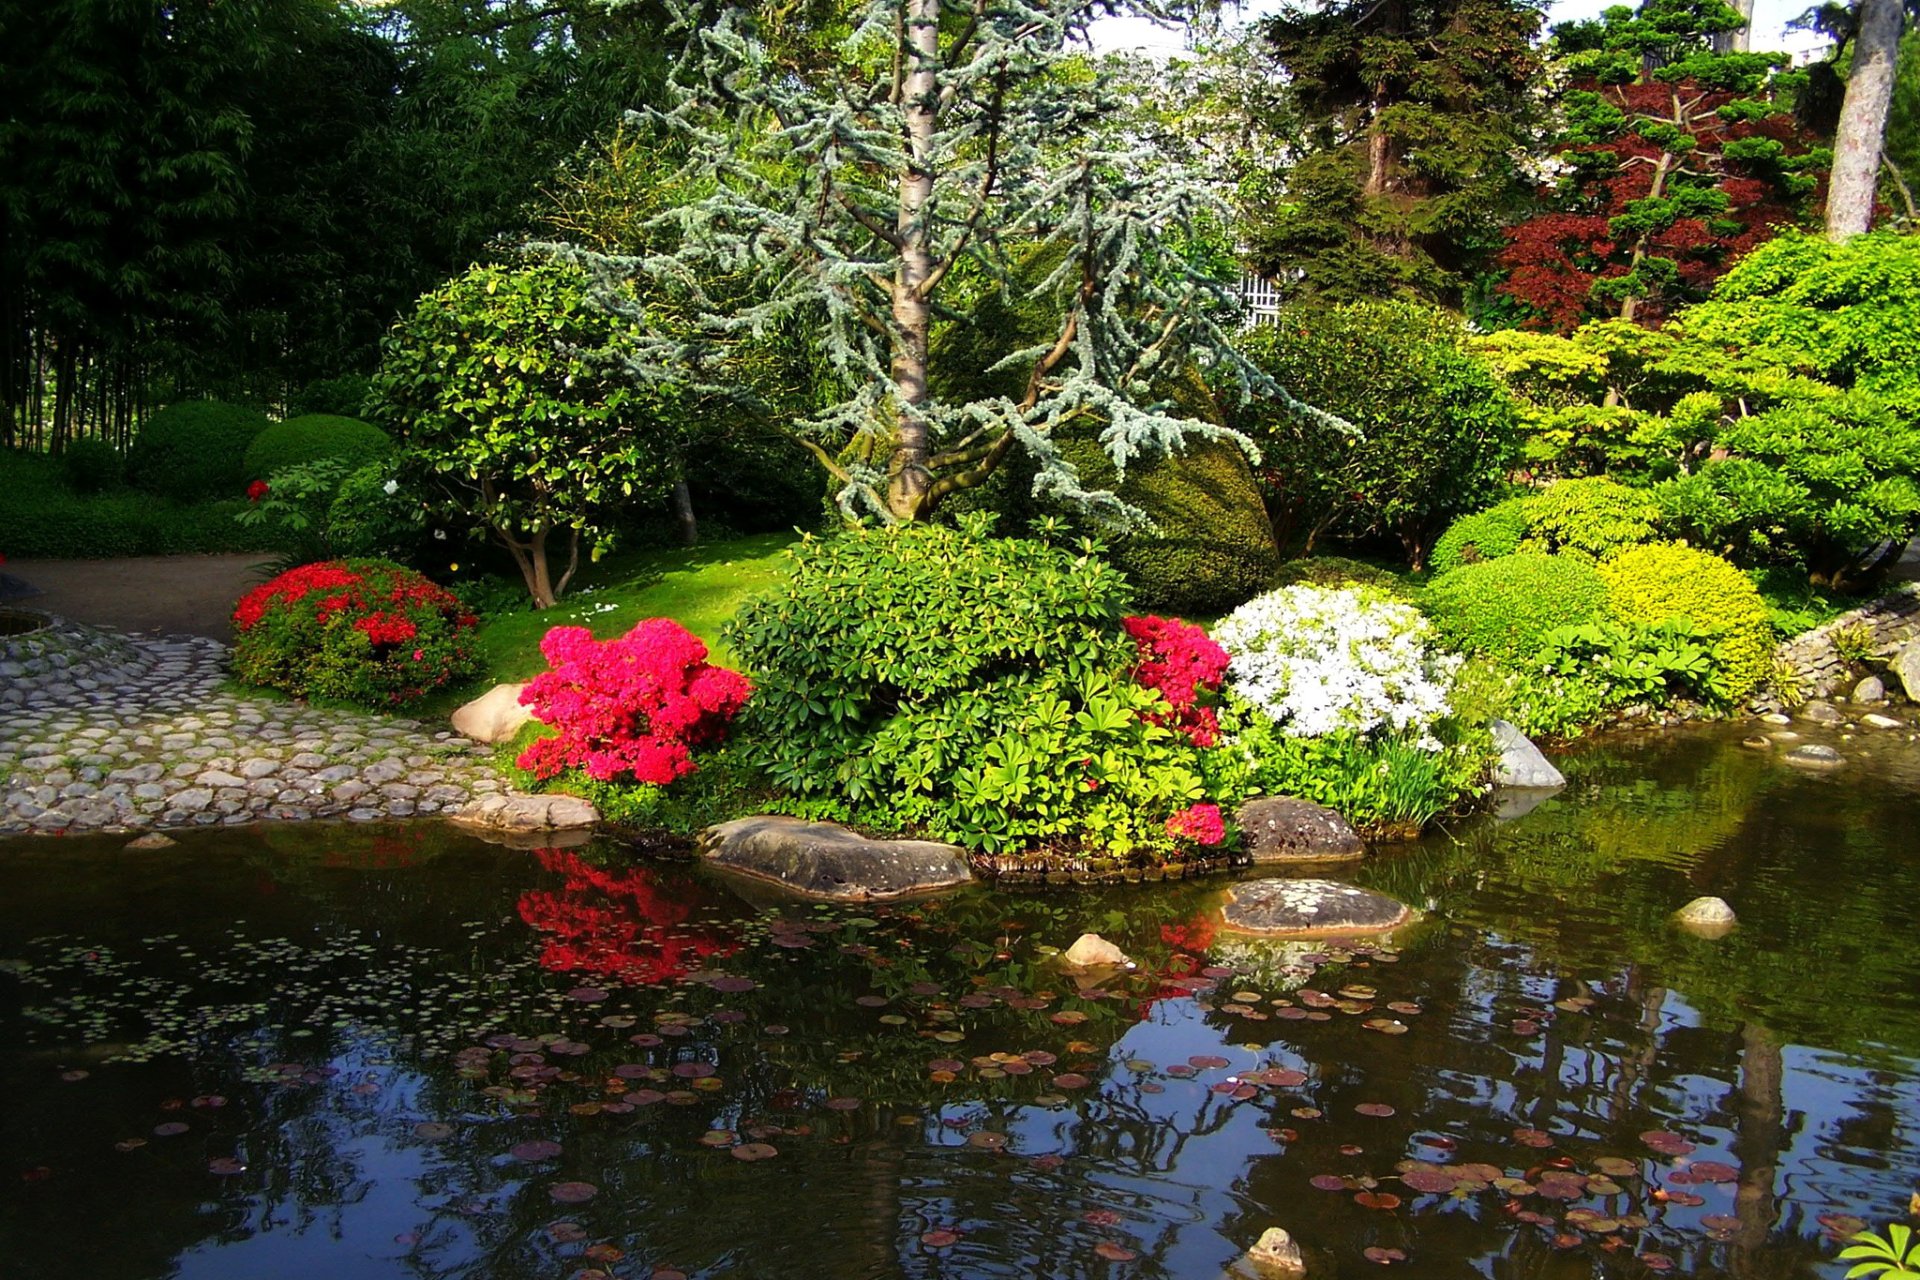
[
  {"x": 42, "y": 519},
  {"x": 193, "y": 450}
]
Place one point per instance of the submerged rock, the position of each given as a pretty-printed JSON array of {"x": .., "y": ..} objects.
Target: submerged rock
[
  {"x": 1822, "y": 713},
  {"x": 1509, "y": 803},
  {"x": 1874, "y": 720},
  {"x": 1091, "y": 951},
  {"x": 1521, "y": 764},
  {"x": 822, "y": 860},
  {"x": 1815, "y": 756},
  {"x": 151, "y": 840},
  {"x": 494, "y": 716},
  {"x": 1708, "y": 917},
  {"x": 1757, "y": 742},
  {"x": 1284, "y": 829},
  {"x": 1310, "y": 909}
]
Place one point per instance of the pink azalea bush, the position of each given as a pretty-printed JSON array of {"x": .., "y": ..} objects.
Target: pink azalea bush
[
  {"x": 635, "y": 707},
  {"x": 1200, "y": 823}
]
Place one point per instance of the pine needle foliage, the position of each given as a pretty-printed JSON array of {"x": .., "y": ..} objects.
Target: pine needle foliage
[{"x": 890, "y": 164}]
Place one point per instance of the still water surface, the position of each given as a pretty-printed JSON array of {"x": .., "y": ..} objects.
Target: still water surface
[{"x": 368, "y": 1052}]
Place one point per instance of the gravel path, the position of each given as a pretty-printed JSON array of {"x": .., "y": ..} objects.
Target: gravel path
[{"x": 105, "y": 731}]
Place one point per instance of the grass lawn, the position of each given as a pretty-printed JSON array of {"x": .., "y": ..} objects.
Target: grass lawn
[{"x": 699, "y": 587}]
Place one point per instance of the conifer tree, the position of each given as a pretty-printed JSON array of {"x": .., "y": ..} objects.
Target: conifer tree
[
  {"x": 1675, "y": 160},
  {"x": 899, "y": 161},
  {"x": 1416, "y": 112}
]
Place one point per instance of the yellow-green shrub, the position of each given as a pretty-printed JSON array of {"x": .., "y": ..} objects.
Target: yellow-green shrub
[{"x": 1662, "y": 580}]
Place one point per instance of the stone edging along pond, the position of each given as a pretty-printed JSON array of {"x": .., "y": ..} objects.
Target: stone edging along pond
[{"x": 103, "y": 732}]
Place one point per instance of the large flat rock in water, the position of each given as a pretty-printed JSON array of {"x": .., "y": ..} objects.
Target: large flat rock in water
[
  {"x": 821, "y": 860},
  {"x": 1310, "y": 909}
]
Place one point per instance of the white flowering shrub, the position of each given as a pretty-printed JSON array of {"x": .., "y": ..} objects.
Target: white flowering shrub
[{"x": 1323, "y": 660}]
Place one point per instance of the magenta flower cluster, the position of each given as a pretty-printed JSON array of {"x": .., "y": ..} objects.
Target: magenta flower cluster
[{"x": 635, "y": 707}]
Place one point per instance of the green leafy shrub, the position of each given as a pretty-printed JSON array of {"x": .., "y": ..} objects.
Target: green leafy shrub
[
  {"x": 1664, "y": 580},
  {"x": 968, "y": 685},
  {"x": 1593, "y": 516},
  {"x": 1483, "y": 535},
  {"x": 1436, "y": 430},
  {"x": 371, "y": 514},
  {"x": 368, "y": 632},
  {"x": 1539, "y": 704},
  {"x": 1208, "y": 544},
  {"x": 1381, "y": 783},
  {"x": 194, "y": 449},
  {"x": 315, "y": 437},
  {"x": 1638, "y": 662},
  {"x": 290, "y": 509},
  {"x": 346, "y": 396},
  {"x": 1508, "y": 607},
  {"x": 91, "y": 465},
  {"x": 1338, "y": 571}
]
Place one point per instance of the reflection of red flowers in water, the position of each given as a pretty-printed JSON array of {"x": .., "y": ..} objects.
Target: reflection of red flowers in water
[
  {"x": 620, "y": 924},
  {"x": 1175, "y": 979}
]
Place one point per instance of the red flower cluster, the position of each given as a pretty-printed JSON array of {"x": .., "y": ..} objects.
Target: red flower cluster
[
  {"x": 1178, "y": 659},
  {"x": 1200, "y": 823},
  {"x": 622, "y": 925},
  {"x": 364, "y": 631},
  {"x": 637, "y": 705},
  {"x": 258, "y": 490},
  {"x": 387, "y": 628}
]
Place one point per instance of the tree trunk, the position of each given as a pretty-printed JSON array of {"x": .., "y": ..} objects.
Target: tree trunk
[
  {"x": 1858, "y": 141},
  {"x": 1760, "y": 1136},
  {"x": 683, "y": 513},
  {"x": 1740, "y": 39},
  {"x": 908, "y": 478}
]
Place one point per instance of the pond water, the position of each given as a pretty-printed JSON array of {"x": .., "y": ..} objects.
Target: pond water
[{"x": 395, "y": 1051}]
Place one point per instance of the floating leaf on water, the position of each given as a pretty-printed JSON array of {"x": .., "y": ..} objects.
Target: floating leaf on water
[
  {"x": 939, "y": 1239},
  {"x": 645, "y": 1040},
  {"x": 1377, "y": 1200},
  {"x": 1378, "y": 1110},
  {"x": 1382, "y": 1255},
  {"x": 1071, "y": 1080},
  {"x": 1533, "y": 1137},
  {"x": 129, "y": 1144},
  {"x": 433, "y": 1130},
  {"x": 1656, "y": 1262},
  {"x": 1386, "y": 1026},
  {"x": 753, "y": 1151},
  {"x": 1430, "y": 1181},
  {"x": 667, "y": 1273},
  {"x": 776, "y": 1029},
  {"x": 1667, "y": 1144},
  {"x": 731, "y": 984},
  {"x": 1525, "y": 1027},
  {"x": 1101, "y": 1217},
  {"x": 534, "y": 1150},
  {"x": 1327, "y": 1182},
  {"x": 573, "y": 1192},
  {"x": 226, "y": 1166},
  {"x": 587, "y": 995},
  {"x": 1114, "y": 1252},
  {"x": 718, "y": 1138},
  {"x": 1711, "y": 1171},
  {"x": 643, "y": 1097},
  {"x": 604, "y": 1252},
  {"x": 949, "y": 1037},
  {"x": 1207, "y": 1061},
  {"x": 871, "y": 1002},
  {"x": 987, "y": 1140},
  {"x": 74, "y": 1076},
  {"x": 692, "y": 1070},
  {"x": 1615, "y": 1167},
  {"x": 170, "y": 1129},
  {"x": 843, "y": 1104}
]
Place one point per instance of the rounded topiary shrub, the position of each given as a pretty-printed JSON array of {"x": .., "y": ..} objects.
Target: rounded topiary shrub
[
  {"x": 368, "y": 632},
  {"x": 346, "y": 395},
  {"x": 1663, "y": 580},
  {"x": 1208, "y": 544},
  {"x": 1594, "y": 516},
  {"x": 1484, "y": 535},
  {"x": 91, "y": 465},
  {"x": 1338, "y": 571},
  {"x": 194, "y": 450},
  {"x": 1508, "y": 607},
  {"x": 315, "y": 437}
]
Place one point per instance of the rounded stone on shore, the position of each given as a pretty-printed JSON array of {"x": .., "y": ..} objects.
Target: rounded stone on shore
[{"x": 1277, "y": 1255}]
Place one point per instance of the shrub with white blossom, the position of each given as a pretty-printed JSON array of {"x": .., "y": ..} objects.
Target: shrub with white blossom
[{"x": 1323, "y": 660}]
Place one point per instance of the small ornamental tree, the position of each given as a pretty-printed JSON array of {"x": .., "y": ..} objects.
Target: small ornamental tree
[
  {"x": 631, "y": 708},
  {"x": 1676, "y": 160},
  {"x": 901, "y": 166},
  {"x": 518, "y": 415}
]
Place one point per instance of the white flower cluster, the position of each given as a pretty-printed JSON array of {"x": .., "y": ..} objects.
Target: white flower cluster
[{"x": 1319, "y": 660}]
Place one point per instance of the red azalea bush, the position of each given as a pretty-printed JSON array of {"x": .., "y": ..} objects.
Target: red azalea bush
[
  {"x": 1199, "y": 823},
  {"x": 633, "y": 707},
  {"x": 363, "y": 631},
  {"x": 1185, "y": 666}
]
